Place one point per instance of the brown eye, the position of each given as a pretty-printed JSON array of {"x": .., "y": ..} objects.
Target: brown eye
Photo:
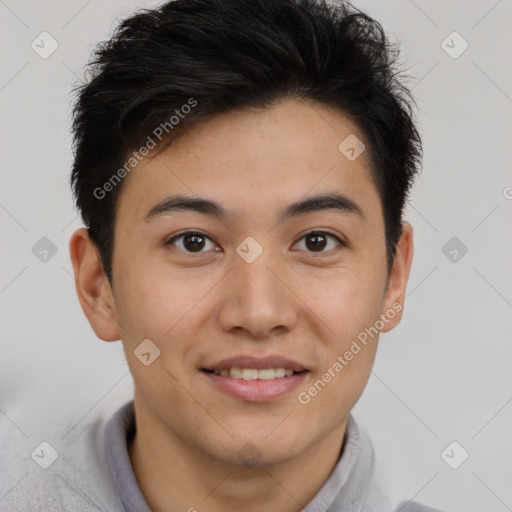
[
  {"x": 318, "y": 241},
  {"x": 190, "y": 241}
]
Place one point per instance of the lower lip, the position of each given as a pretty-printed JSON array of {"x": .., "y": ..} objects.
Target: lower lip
[{"x": 257, "y": 390}]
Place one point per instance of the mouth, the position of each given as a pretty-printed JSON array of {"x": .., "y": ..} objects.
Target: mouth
[
  {"x": 254, "y": 373},
  {"x": 255, "y": 379}
]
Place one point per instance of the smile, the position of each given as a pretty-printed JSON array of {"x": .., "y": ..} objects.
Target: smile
[
  {"x": 253, "y": 373},
  {"x": 252, "y": 385}
]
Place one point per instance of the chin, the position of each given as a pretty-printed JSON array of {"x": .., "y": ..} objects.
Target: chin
[{"x": 270, "y": 444}]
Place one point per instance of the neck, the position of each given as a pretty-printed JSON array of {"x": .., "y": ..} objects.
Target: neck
[
  {"x": 176, "y": 477},
  {"x": 173, "y": 478}
]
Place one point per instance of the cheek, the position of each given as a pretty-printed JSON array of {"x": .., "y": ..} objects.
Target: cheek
[
  {"x": 349, "y": 308},
  {"x": 153, "y": 301},
  {"x": 349, "y": 302},
  {"x": 153, "y": 304},
  {"x": 167, "y": 308}
]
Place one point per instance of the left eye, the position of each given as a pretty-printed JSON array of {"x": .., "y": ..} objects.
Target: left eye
[{"x": 318, "y": 241}]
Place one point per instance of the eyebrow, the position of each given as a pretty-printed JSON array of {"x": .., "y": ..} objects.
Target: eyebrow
[{"x": 322, "y": 202}]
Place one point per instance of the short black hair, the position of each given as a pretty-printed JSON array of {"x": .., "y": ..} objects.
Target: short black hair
[{"x": 212, "y": 56}]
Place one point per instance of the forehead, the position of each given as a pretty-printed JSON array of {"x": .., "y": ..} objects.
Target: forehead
[{"x": 257, "y": 160}]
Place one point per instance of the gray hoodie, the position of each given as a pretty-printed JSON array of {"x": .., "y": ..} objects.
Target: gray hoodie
[{"x": 91, "y": 471}]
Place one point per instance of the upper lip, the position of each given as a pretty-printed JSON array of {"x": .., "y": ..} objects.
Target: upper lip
[{"x": 259, "y": 363}]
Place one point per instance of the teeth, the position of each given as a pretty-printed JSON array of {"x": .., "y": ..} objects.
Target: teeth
[
  {"x": 249, "y": 373},
  {"x": 236, "y": 373},
  {"x": 253, "y": 374},
  {"x": 267, "y": 374}
]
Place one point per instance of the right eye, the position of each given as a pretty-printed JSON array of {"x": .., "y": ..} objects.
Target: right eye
[{"x": 190, "y": 242}]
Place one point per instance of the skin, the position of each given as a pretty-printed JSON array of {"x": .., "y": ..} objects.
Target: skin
[{"x": 305, "y": 304}]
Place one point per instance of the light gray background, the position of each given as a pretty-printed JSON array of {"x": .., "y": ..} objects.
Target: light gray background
[{"x": 443, "y": 375}]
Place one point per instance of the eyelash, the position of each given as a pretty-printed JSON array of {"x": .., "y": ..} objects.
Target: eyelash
[{"x": 171, "y": 240}]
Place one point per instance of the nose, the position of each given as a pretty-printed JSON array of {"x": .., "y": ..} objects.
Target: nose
[{"x": 258, "y": 299}]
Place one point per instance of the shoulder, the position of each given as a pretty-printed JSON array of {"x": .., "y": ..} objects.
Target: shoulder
[
  {"x": 377, "y": 499},
  {"x": 413, "y": 506},
  {"x": 56, "y": 472}
]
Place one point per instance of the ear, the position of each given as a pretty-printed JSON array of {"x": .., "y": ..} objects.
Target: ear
[
  {"x": 92, "y": 286},
  {"x": 399, "y": 275}
]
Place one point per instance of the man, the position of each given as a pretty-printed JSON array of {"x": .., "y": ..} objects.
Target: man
[{"x": 241, "y": 168}]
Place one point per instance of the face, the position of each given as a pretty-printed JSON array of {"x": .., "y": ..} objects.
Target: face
[{"x": 283, "y": 266}]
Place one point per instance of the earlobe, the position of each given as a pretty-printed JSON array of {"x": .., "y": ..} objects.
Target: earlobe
[
  {"x": 92, "y": 286},
  {"x": 399, "y": 276}
]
